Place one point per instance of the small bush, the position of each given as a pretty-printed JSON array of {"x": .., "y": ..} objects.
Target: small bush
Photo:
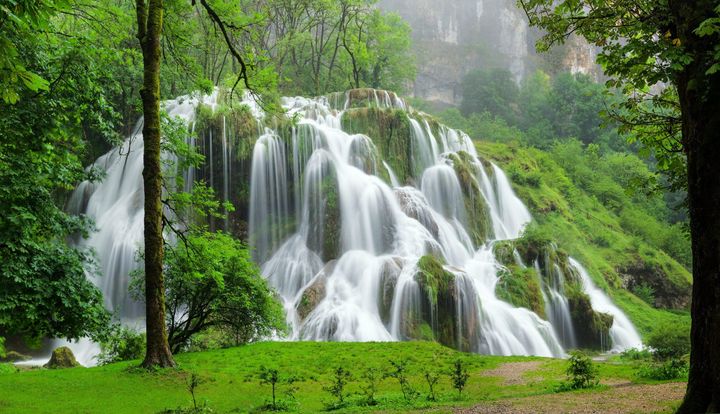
[
  {"x": 122, "y": 344},
  {"x": 459, "y": 376},
  {"x": 371, "y": 379},
  {"x": 670, "y": 341},
  {"x": 634, "y": 354},
  {"x": 341, "y": 378},
  {"x": 667, "y": 370},
  {"x": 432, "y": 378},
  {"x": 271, "y": 376},
  {"x": 399, "y": 371},
  {"x": 581, "y": 372},
  {"x": 646, "y": 293}
]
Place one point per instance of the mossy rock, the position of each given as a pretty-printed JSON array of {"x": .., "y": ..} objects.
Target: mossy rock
[
  {"x": 504, "y": 252},
  {"x": 389, "y": 130},
  {"x": 324, "y": 235},
  {"x": 386, "y": 292},
  {"x": 440, "y": 299},
  {"x": 592, "y": 329},
  {"x": 476, "y": 208},
  {"x": 368, "y": 97},
  {"x": 62, "y": 357},
  {"x": 315, "y": 292},
  {"x": 520, "y": 286},
  {"x": 312, "y": 296},
  {"x": 13, "y": 356}
]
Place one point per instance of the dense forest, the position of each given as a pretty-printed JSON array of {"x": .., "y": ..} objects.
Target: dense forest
[{"x": 250, "y": 199}]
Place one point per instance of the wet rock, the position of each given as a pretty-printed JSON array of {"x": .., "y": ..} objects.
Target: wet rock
[{"x": 315, "y": 292}]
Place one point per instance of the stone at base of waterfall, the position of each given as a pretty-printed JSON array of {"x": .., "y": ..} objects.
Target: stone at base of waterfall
[
  {"x": 62, "y": 358},
  {"x": 13, "y": 356}
]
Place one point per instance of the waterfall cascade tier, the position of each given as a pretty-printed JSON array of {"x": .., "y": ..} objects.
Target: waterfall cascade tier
[{"x": 373, "y": 223}]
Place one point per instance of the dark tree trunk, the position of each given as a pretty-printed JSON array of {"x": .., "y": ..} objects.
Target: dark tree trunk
[
  {"x": 150, "y": 17},
  {"x": 700, "y": 103}
]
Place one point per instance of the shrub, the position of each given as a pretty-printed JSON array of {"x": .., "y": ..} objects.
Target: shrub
[
  {"x": 670, "y": 341},
  {"x": 271, "y": 376},
  {"x": 666, "y": 370},
  {"x": 581, "y": 372},
  {"x": 634, "y": 354},
  {"x": 646, "y": 293},
  {"x": 122, "y": 344},
  {"x": 372, "y": 378},
  {"x": 399, "y": 372},
  {"x": 215, "y": 270},
  {"x": 341, "y": 377},
  {"x": 459, "y": 376},
  {"x": 432, "y": 378}
]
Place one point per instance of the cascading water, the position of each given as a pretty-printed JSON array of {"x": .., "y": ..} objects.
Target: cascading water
[
  {"x": 623, "y": 333},
  {"x": 345, "y": 240}
]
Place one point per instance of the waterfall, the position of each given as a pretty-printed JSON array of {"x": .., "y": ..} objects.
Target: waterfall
[
  {"x": 622, "y": 332},
  {"x": 343, "y": 238}
]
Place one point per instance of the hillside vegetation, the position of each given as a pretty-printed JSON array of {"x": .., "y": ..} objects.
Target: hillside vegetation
[{"x": 579, "y": 202}]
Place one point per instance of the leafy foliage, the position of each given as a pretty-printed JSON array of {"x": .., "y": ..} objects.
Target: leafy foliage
[
  {"x": 341, "y": 378},
  {"x": 670, "y": 341},
  {"x": 122, "y": 344},
  {"x": 581, "y": 372},
  {"x": 459, "y": 376},
  {"x": 211, "y": 281}
]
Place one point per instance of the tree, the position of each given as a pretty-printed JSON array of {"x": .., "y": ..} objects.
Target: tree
[
  {"x": 211, "y": 282},
  {"x": 45, "y": 291},
  {"x": 149, "y": 21},
  {"x": 667, "y": 54},
  {"x": 492, "y": 91}
]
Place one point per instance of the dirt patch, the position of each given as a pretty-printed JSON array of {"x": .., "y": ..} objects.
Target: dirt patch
[
  {"x": 620, "y": 399},
  {"x": 513, "y": 373}
]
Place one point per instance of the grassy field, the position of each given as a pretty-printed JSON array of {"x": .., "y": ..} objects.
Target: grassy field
[{"x": 230, "y": 381}]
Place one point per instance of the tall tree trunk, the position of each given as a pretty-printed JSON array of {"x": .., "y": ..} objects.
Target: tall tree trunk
[
  {"x": 150, "y": 16},
  {"x": 700, "y": 103}
]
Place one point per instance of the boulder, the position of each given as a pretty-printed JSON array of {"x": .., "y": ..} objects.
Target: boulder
[{"x": 62, "y": 358}]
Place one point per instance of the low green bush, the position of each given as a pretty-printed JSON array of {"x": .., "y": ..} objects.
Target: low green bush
[
  {"x": 670, "y": 341},
  {"x": 666, "y": 370},
  {"x": 581, "y": 372},
  {"x": 122, "y": 344}
]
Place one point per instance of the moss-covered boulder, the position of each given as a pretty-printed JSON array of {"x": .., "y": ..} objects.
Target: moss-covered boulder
[
  {"x": 477, "y": 212},
  {"x": 14, "y": 356},
  {"x": 325, "y": 224},
  {"x": 520, "y": 286},
  {"x": 315, "y": 292},
  {"x": 389, "y": 275},
  {"x": 389, "y": 129},
  {"x": 440, "y": 297},
  {"x": 368, "y": 97},
  {"x": 62, "y": 357},
  {"x": 592, "y": 329}
]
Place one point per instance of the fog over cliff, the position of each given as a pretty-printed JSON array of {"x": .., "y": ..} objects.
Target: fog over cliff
[{"x": 453, "y": 37}]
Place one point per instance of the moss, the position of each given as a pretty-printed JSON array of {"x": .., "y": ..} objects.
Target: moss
[
  {"x": 504, "y": 252},
  {"x": 476, "y": 208},
  {"x": 592, "y": 329},
  {"x": 439, "y": 308},
  {"x": 332, "y": 221},
  {"x": 389, "y": 129},
  {"x": 615, "y": 257},
  {"x": 62, "y": 357},
  {"x": 312, "y": 296},
  {"x": 367, "y": 97},
  {"x": 521, "y": 287}
]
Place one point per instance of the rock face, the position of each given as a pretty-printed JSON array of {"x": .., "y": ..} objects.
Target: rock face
[
  {"x": 62, "y": 358},
  {"x": 453, "y": 37}
]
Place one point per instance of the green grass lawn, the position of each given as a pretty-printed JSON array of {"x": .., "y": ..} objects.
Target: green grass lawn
[{"x": 230, "y": 380}]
